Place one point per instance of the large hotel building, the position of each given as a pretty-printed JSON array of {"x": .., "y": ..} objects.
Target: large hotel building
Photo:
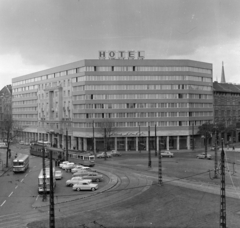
[{"x": 133, "y": 96}]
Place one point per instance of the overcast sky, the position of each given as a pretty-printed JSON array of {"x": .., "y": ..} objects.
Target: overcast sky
[{"x": 40, "y": 34}]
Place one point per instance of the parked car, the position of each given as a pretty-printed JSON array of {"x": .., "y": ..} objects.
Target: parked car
[
  {"x": 102, "y": 155},
  {"x": 68, "y": 166},
  {"x": 85, "y": 185},
  {"x": 63, "y": 163},
  {"x": 3, "y": 145},
  {"x": 116, "y": 153},
  {"x": 75, "y": 180},
  {"x": 58, "y": 175},
  {"x": 203, "y": 156},
  {"x": 22, "y": 143},
  {"x": 213, "y": 148},
  {"x": 75, "y": 169},
  {"x": 167, "y": 153},
  {"x": 80, "y": 173},
  {"x": 95, "y": 177}
]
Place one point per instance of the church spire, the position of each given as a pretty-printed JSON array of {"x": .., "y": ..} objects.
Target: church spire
[{"x": 223, "y": 80}]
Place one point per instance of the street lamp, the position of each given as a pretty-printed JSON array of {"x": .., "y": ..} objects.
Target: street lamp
[{"x": 139, "y": 143}]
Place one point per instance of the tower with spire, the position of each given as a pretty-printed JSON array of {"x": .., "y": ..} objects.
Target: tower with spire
[{"x": 223, "y": 80}]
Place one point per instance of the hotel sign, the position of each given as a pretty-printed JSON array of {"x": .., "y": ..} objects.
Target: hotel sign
[{"x": 121, "y": 54}]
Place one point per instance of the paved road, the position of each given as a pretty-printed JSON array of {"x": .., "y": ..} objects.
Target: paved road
[{"x": 21, "y": 204}]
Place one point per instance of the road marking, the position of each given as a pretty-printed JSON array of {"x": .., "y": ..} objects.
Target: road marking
[
  {"x": 26, "y": 174},
  {"x": 16, "y": 187},
  {"x": 22, "y": 180},
  {"x": 3, "y": 203},
  {"x": 10, "y": 194},
  {"x": 37, "y": 197}
]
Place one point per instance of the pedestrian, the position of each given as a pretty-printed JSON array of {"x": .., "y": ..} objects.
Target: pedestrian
[{"x": 233, "y": 148}]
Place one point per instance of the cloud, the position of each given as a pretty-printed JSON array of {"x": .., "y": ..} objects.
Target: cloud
[{"x": 14, "y": 66}]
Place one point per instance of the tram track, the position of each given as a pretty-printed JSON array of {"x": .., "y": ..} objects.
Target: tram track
[{"x": 128, "y": 185}]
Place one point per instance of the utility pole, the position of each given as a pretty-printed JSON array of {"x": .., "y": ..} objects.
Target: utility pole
[
  {"x": 155, "y": 140},
  {"x": 66, "y": 144},
  {"x": 206, "y": 143},
  {"x": 139, "y": 143},
  {"x": 223, "y": 193},
  {"x": 51, "y": 205},
  {"x": 193, "y": 137},
  {"x": 159, "y": 164},
  {"x": 216, "y": 162},
  {"x": 44, "y": 174},
  {"x": 149, "y": 151},
  {"x": 94, "y": 152},
  {"x": 105, "y": 149}
]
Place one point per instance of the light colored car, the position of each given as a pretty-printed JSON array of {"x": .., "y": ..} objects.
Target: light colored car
[
  {"x": 68, "y": 166},
  {"x": 95, "y": 177},
  {"x": 80, "y": 173},
  {"x": 213, "y": 148},
  {"x": 63, "y": 163},
  {"x": 102, "y": 155},
  {"x": 3, "y": 145},
  {"x": 75, "y": 169},
  {"x": 85, "y": 185},
  {"x": 75, "y": 180},
  {"x": 167, "y": 153},
  {"x": 116, "y": 153},
  {"x": 58, "y": 175},
  {"x": 22, "y": 143},
  {"x": 203, "y": 156}
]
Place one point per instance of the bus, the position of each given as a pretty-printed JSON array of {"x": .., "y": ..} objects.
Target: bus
[
  {"x": 47, "y": 180},
  {"x": 20, "y": 163}
]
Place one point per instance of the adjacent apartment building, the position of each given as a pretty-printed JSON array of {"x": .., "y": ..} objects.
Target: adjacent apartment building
[{"x": 135, "y": 95}]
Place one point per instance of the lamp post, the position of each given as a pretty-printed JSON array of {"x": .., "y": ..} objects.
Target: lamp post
[
  {"x": 139, "y": 143},
  {"x": 155, "y": 140},
  {"x": 193, "y": 137},
  {"x": 93, "y": 146},
  {"x": 149, "y": 151},
  {"x": 215, "y": 149}
]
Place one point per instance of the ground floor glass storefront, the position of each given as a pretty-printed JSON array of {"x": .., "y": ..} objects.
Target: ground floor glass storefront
[{"x": 115, "y": 143}]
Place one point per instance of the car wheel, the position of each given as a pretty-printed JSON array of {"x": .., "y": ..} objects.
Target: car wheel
[
  {"x": 79, "y": 189},
  {"x": 97, "y": 180},
  {"x": 170, "y": 156},
  {"x": 93, "y": 189},
  {"x": 71, "y": 185}
]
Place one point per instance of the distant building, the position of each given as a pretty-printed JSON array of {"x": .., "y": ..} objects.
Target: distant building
[
  {"x": 227, "y": 107},
  {"x": 133, "y": 94},
  {"x": 5, "y": 105}
]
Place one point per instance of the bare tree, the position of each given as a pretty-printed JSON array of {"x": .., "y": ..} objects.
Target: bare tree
[
  {"x": 107, "y": 129},
  {"x": 11, "y": 130}
]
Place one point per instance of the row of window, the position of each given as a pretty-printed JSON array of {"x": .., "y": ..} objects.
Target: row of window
[
  {"x": 22, "y": 116},
  {"x": 142, "y": 78},
  {"x": 142, "y": 105},
  {"x": 142, "y": 87},
  {"x": 26, "y": 109},
  {"x": 141, "y": 96},
  {"x": 148, "y": 68},
  {"x": 26, "y": 102},
  {"x": 140, "y": 115},
  {"x": 227, "y": 112},
  {"x": 63, "y": 83},
  {"x": 111, "y": 68},
  {"x": 142, "y": 124}
]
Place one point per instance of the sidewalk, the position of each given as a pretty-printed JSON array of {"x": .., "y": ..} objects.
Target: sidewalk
[{"x": 3, "y": 168}]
